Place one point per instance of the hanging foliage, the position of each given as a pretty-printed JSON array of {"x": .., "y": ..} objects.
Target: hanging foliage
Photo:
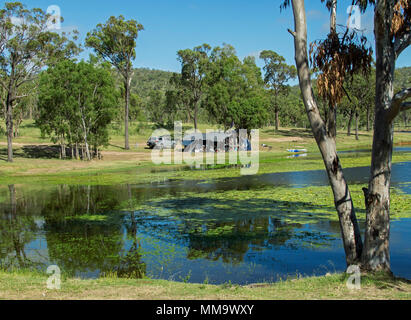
[
  {"x": 401, "y": 21},
  {"x": 336, "y": 59}
]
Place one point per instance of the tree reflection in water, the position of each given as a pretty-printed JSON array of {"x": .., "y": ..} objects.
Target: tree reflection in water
[
  {"x": 17, "y": 229},
  {"x": 95, "y": 230}
]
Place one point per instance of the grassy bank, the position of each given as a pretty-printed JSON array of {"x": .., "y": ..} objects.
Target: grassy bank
[{"x": 28, "y": 285}]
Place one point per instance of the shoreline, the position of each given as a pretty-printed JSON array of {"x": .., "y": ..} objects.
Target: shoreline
[{"x": 25, "y": 285}]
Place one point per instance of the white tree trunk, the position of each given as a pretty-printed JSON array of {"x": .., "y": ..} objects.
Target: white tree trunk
[
  {"x": 343, "y": 201},
  {"x": 376, "y": 253}
]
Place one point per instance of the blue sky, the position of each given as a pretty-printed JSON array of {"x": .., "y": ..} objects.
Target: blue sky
[{"x": 171, "y": 25}]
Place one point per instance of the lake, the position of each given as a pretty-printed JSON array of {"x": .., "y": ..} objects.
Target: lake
[{"x": 89, "y": 231}]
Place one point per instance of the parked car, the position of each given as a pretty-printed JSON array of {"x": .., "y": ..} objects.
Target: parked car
[{"x": 162, "y": 142}]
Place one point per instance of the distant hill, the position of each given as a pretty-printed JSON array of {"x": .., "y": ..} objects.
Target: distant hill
[{"x": 145, "y": 80}]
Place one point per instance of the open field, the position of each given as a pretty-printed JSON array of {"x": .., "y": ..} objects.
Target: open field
[{"x": 36, "y": 158}]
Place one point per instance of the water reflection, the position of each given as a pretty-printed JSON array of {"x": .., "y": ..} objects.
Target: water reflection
[
  {"x": 401, "y": 178},
  {"x": 89, "y": 231},
  {"x": 17, "y": 229}
]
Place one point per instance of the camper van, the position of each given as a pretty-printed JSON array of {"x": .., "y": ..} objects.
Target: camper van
[
  {"x": 213, "y": 142},
  {"x": 162, "y": 142}
]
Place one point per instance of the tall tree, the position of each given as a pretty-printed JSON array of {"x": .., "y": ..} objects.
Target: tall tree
[
  {"x": 193, "y": 70},
  {"x": 392, "y": 23},
  {"x": 343, "y": 202},
  {"x": 277, "y": 75},
  {"x": 26, "y": 46},
  {"x": 115, "y": 41}
]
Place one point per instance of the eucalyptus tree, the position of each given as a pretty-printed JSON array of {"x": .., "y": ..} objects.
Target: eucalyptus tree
[
  {"x": 392, "y": 24},
  {"x": 76, "y": 103},
  {"x": 277, "y": 76},
  {"x": 194, "y": 65},
  {"x": 26, "y": 46},
  {"x": 115, "y": 41},
  {"x": 235, "y": 90}
]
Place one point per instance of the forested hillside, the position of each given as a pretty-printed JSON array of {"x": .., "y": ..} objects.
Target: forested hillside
[{"x": 146, "y": 80}]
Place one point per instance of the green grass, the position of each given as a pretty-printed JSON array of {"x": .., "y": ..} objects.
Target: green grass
[
  {"x": 46, "y": 171},
  {"x": 27, "y": 285},
  {"x": 135, "y": 166}
]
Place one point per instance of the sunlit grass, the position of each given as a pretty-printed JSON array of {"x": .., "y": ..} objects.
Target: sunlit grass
[{"x": 32, "y": 285}]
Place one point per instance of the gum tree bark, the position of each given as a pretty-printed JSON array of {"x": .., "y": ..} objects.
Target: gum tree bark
[
  {"x": 342, "y": 197},
  {"x": 376, "y": 253},
  {"x": 351, "y": 116},
  {"x": 277, "y": 119},
  {"x": 9, "y": 125},
  {"x": 127, "y": 85}
]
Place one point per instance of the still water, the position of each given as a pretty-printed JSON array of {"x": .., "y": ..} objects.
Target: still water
[{"x": 89, "y": 231}]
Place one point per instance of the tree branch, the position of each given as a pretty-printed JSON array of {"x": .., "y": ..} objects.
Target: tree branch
[
  {"x": 22, "y": 96},
  {"x": 402, "y": 43},
  {"x": 397, "y": 103},
  {"x": 346, "y": 93}
]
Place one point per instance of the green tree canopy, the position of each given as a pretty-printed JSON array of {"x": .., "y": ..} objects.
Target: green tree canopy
[
  {"x": 235, "y": 95},
  {"x": 76, "y": 104}
]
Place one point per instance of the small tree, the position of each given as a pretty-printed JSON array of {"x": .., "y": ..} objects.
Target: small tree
[
  {"x": 235, "y": 90},
  {"x": 277, "y": 75},
  {"x": 115, "y": 41},
  {"x": 76, "y": 104}
]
